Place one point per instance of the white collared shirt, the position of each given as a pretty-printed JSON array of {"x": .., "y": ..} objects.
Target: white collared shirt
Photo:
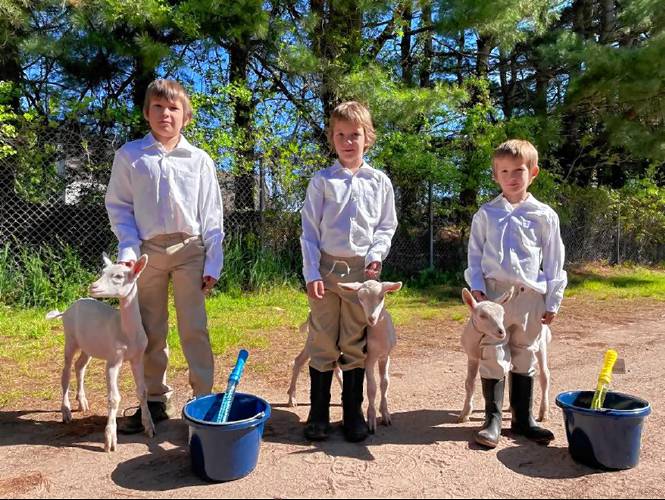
[
  {"x": 347, "y": 215},
  {"x": 153, "y": 192},
  {"x": 510, "y": 244}
]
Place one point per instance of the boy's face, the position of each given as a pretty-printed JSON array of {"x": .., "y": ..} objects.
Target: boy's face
[
  {"x": 514, "y": 177},
  {"x": 349, "y": 141},
  {"x": 166, "y": 118}
]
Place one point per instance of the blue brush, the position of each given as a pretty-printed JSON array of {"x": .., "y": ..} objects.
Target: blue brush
[{"x": 234, "y": 378}]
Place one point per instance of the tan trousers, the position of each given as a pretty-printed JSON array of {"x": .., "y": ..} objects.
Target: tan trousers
[
  {"x": 181, "y": 258},
  {"x": 523, "y": 328},
  {"x": 337, "y": 321}
]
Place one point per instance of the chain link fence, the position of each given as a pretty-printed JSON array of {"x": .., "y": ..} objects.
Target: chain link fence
[{"x": 52, "y": 193}]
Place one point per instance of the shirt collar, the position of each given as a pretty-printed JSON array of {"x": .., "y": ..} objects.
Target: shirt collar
[
  {"x": 184, "y": 148},
  {"x": 337, "y": 166},
  {"x": 501, "y": 201}
]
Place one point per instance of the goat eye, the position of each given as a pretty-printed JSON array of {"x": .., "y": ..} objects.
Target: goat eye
[{"x": 483, "y": 316}]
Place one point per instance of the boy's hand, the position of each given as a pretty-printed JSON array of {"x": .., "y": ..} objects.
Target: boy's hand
[
  {"x": 479, "y": 295},
  {"x": 548, "y": 317},
  {"x": 315, "y": 289},
  {"x": 373, "y": 270},
  {"x": 208, "y": 284}
]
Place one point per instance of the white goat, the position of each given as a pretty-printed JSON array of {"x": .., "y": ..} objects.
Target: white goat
[
  {"x": 101, "y": 331},
  {"x": 486, "y": 326},
  {"x": 381, "y": 339}
]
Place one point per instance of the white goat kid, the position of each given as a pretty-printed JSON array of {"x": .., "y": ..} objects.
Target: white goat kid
[
  {"x": 381, "y": 339},
  {"x": 484, "y": 326},
  {"x": 487, "y": 324},
  {"x": 101, "y": 331}
]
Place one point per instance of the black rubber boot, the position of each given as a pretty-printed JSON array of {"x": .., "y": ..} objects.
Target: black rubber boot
[
  {"x": 521, "y": 400},
  {"x": 158, "y": 411},
  {"x": 355, "y": 427},
  {"x": 490, "y": 432},
  {"x": 318, "y": 421}
]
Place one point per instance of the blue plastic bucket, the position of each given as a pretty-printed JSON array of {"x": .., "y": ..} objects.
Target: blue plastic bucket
[
  {"x": 604, "y": 439},
  {"x": 224, "y": 452}
]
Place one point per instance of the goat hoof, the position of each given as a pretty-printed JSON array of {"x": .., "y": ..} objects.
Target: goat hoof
[
  {"x": 66, "y": 415},
  {"x": 84, "y": 406},
  {"x": 462, "y": 418},
  {"x": 292, "y": 403},
  {"x": 111, "y": 445}
]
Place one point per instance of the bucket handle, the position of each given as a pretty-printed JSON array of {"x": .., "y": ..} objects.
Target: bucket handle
[{"x": 258, "y": 416}]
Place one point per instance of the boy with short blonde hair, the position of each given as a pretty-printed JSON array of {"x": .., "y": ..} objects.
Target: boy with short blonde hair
[
  {"x": 163, "y": 199},
  {"x": 515, "y": 242},
  {"x": 348, "y": 221}
]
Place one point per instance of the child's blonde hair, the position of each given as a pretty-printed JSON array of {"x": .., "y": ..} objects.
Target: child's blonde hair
[
  {"x": 354, "y": 112},
  {"x": 517, "y": 148},
  {"x": 171, "y": 91}
]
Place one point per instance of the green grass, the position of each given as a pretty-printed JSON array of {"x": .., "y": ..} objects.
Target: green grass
[
  {"x": 33, "y": 346},
  {"x": 619, "y": 282}
]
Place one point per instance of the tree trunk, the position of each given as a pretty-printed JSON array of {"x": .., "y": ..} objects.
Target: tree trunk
[
  {"x": 506, "y": 94},
  {"x": 607, "y": 21},
  {"x": 244, "y": 182},
  {"x": 406, "y": 61},
  {"x": 426, "y": 66},
  {"x": 483, "y": 56},
  {"x": 143, "y": 76}
]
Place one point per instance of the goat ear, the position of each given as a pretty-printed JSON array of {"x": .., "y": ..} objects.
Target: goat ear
[
  {"x": 354, "y": 287},
  {"x": 107, "y": 261},
  {"x": 506, "y": 296},
  {"x": 468, "y": 299},
  {"x": 389, "y": 286},
  {"x": 139, "y": 265}
]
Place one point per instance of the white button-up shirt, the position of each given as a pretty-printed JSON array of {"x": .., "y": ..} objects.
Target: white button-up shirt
[
  {"x": 521, "y": 245},
  {"x": 153, "y": 192},
  {"x": 347, "y": 215}
]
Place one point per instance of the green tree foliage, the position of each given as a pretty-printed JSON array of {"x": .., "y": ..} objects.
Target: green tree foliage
[{"x": 446, "y": 81}]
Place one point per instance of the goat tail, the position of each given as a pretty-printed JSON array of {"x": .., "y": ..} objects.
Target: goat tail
[{"x": 54, "y": 314}]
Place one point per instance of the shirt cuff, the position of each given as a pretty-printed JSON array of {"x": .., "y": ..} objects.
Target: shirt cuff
[
  {"x": 475, "y": 281},
  {"x": 127, "y": 254},
  {"x": 373, "y": 257},
  {"x": 311, "y": 275}
]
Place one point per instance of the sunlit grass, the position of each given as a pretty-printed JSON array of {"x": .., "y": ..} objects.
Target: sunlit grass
[{"x": 618, "y": 282}]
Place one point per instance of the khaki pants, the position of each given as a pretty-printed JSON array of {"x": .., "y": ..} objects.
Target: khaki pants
[
  {"x": 181, "y": 258},
  {"x": 523, "y": 328},
  {"x": 337, "y": 321}
]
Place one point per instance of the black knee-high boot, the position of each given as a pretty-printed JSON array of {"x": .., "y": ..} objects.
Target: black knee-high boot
[
  {"x": 521, "y": 400},
  {"x": 355, "y": 427},
  {"x": 490, "y": 432},
  {"x": 318, "y": 422}
]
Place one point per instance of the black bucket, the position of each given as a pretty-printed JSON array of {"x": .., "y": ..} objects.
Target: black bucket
[{"x": 604, "y": 439}]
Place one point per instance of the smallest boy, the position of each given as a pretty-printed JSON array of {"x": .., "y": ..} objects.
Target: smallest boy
[
  {"x": 163, "y": 199},
  {"x": 515, "y": 242}
]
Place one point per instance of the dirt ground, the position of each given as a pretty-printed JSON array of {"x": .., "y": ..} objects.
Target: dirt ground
[{"x": 425, "y": 453}]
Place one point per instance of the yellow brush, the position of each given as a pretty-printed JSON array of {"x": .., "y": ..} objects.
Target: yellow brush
[{"x": 604, "y": 379}]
